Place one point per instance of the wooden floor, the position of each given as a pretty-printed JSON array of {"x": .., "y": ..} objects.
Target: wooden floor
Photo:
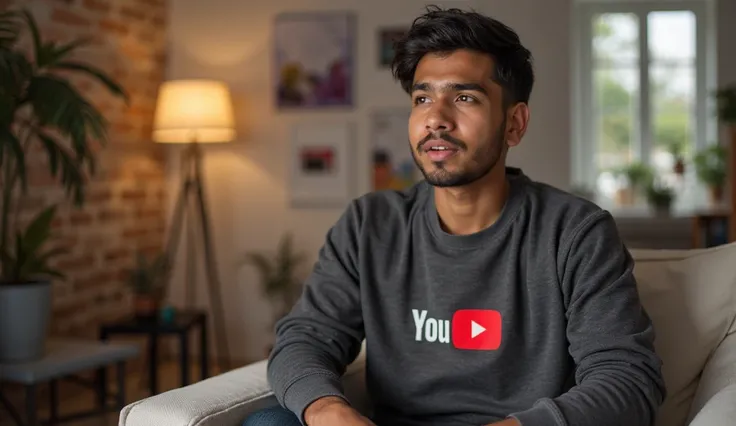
[{"x": 74, "y": 398}]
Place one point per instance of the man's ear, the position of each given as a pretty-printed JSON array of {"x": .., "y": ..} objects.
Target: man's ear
[{"x": 518, "y": 121}]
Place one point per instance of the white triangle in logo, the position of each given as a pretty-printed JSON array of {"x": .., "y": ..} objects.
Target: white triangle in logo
[{"x": 475, "y": 329}]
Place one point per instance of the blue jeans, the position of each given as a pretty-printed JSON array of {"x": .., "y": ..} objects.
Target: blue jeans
[{"x": 272, "y": 416}]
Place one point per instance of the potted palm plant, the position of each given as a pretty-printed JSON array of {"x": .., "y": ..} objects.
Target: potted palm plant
[
  {"x": 280, "y": 282},
  {"x": 39, "y": 107}
]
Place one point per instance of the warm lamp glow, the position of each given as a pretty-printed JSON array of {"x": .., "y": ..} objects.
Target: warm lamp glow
[{"x": 193, "y": 111}]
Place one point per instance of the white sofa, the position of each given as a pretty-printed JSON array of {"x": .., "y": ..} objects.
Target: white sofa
[{"x": 690, "y": 295}]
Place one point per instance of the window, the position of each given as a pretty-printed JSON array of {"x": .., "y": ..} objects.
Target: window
[{"x": 642, "y": 81}]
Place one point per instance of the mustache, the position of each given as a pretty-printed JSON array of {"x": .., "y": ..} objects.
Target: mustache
[{"x": 445, "y": 137}]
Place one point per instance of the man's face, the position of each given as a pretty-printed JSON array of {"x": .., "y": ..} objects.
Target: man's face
[{"x": 457, "y": 124}]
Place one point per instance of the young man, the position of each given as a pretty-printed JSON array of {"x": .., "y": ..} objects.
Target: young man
[{"x": 484, "y": 298}]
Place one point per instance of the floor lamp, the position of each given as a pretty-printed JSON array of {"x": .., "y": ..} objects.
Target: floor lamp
[{"x": 195, "y": 112}]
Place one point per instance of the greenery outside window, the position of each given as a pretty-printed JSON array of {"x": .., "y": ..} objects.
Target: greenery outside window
[{"x": 643, "y": 93}]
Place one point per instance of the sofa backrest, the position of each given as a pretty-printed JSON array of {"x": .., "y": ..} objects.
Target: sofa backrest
[{"x": 690, "y": 296}]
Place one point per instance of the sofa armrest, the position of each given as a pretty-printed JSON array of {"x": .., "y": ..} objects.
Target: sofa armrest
[
  {"x": 227, "y": 399},
  {"x": 715, "y": 399}
]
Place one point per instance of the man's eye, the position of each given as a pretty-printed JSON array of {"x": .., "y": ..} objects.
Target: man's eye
[
  {"x": 465, "y": 98},
  {"x": 420, "y": 100}
]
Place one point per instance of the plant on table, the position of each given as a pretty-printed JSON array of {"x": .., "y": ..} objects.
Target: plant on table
[
  {"x": 711, "y": 170},
  {"x": 660, "y": 197},
  {"x": 637, "y": 177},
  {"x": 147, "y": 281},
  {"x": 39, "y": 108},
  {"x": 279, "y": 275}
]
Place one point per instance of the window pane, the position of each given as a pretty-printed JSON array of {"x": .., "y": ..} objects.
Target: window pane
[
  {"x": 615, "y": 39},
  {"x": 673, "y": 108},
  {"x": 672, "y": 36},
  {"x": 616, "y": 115}
]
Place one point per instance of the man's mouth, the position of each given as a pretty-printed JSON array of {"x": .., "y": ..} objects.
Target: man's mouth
[{"x": 439, "y": 150}]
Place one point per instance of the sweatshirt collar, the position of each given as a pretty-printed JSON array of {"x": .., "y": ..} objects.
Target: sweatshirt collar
[{"x": 517, "y": 180}]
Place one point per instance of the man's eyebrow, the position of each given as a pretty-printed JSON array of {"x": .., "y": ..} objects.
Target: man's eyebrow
[{"x": 450, "y": 87}]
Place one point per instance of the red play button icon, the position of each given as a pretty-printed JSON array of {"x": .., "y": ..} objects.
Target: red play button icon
[{"x": 476, "y": 329}]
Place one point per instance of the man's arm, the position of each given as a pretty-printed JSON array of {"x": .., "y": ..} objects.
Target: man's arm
[
  {"x": 323, "y": 332},
  {"x": 618, "y": 374}
]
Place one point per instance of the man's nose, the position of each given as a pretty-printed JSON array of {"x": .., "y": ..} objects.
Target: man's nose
[{"x": 439, "y": 120}]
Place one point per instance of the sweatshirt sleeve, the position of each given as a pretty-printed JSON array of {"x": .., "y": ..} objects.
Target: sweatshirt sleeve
[
  {"x": 611, "y": 338},
  {"x": 323, "y": 333}
]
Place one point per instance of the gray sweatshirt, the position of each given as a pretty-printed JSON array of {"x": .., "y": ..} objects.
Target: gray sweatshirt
[{"x": 536, "y": 317}]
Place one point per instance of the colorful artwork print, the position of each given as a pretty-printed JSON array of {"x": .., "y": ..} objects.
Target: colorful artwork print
[
  {"x": 317, "y": 160},
  {"x": 314, "y": 59}
]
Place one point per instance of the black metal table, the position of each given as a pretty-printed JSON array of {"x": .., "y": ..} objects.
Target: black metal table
[{"x": 182, "y": 323}]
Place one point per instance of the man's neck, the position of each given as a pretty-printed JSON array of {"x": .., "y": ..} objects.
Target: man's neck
[{"x": 474, "y": 207}]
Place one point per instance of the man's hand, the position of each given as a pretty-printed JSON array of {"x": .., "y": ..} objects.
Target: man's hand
[{"x": 334, "y": 411}]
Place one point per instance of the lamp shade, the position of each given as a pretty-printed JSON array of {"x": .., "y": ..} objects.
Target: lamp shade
[{"x": 193, "y": 111}]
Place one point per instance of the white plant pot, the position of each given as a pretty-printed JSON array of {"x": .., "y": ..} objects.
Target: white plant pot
[{"x": 25, "y": 310}]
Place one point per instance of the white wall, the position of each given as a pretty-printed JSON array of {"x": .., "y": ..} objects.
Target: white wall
[{"x": 247, "y": 181}]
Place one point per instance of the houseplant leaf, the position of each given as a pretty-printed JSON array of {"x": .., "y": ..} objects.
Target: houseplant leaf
[
  {"x": 261, "y": 263},
  {"x": 15, "y": 72},
  {"x": 38, "y": 231},
  {"x": 54, "y": 52},
  {"x": 9, "y": 28},
  {"x": 35, "y": 34},
  {"x": 91, "y": 71},
  {"x": 10, "y": 143},
  {"x": 53, "y": 151},
  {"x": 60, "y": 159}
]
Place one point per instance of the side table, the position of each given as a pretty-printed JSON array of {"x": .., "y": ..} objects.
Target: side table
[
  {"x": 180, "y": 325},
  {"x": 64, "y": 359}
]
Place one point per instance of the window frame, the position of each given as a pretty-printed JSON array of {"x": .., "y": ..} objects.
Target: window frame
[{"x": 584, "y": 150}]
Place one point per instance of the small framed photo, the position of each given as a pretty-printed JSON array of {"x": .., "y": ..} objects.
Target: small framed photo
[
  {"x": 386, "y": 39},
  {"x": 321, "y": 173}
]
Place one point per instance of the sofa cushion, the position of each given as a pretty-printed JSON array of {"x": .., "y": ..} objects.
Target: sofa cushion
[{"x": 690, "y": 297}]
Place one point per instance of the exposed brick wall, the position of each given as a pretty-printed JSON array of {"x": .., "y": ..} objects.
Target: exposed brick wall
[{"x": 124, "y": 211}]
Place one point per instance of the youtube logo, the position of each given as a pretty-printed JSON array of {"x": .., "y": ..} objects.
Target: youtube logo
[
  {"x": 476, "y": 329},
  {"x": 470, "y": 329}
]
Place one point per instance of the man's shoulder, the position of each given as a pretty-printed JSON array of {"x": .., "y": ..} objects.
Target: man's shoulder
[
  {"x": 392, "y": 201},
  {"x": 563, "y": 208}
]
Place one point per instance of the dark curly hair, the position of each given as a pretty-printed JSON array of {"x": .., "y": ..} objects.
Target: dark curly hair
[{"x": 444, "y": 31}]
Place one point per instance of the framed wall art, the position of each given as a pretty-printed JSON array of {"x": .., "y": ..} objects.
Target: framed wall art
[
  {"x": 393, "y": 165},
  {"x": 386, "y": 39},
  {"x": 314, "y": 55},
  {"x": 321, "y": 173}
]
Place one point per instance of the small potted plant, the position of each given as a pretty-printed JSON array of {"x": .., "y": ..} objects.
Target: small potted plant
[
  {"x": 711, "y": 170},
  {"x": 636, "y": 178},
  {"x": 660, "y": 198},
  {"x": 279, "y": 277},
  {"x": 675, "y": 149},
  {"x": 726, "y": 100},
  {"x": 148, "y": 280}
]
